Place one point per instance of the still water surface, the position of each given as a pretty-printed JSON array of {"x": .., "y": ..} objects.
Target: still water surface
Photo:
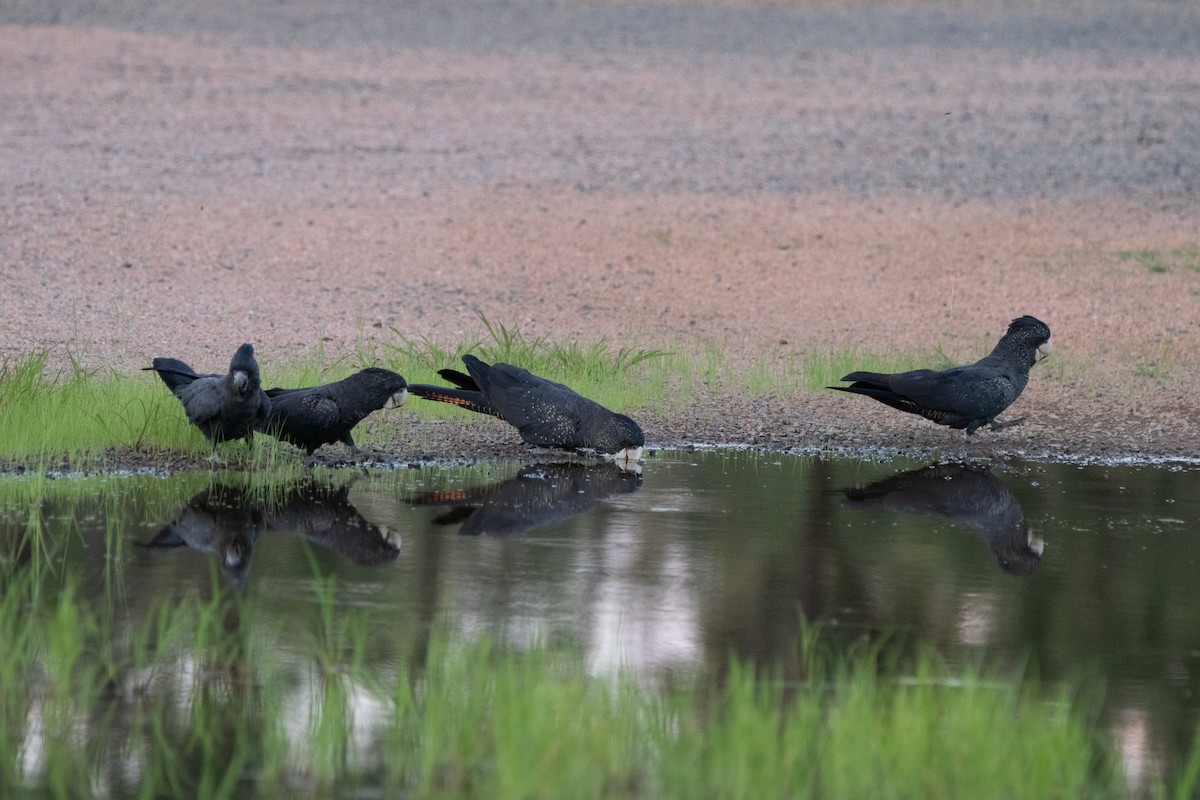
[{"x": 1083, "y": 573}]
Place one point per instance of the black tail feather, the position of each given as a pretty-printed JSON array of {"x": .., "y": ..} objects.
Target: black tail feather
[
  {"x": 897, "y": 401},
  {"x": 460, "y": 379},
  {"x": 872, "y": 378},
  {"x": 454, "y": 515},
  {"x": 882, "y": 394},
  {"x": 174, "y": 373}
]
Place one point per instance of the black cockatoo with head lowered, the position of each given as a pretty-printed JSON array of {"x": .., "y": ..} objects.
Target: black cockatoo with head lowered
[
  {"x": 963, "y": 397},
  {"x": 547, "y": 414}
]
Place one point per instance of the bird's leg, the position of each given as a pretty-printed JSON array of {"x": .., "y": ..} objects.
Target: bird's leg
[
  {"x": 996, "y": 425},
  {"x": 249, "y": 440},
  {"x": 215, "y": 457}
]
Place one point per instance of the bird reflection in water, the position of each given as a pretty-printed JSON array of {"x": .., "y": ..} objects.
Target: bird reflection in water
[
  {"x": 969, "y": 496},
  {"x": 222, "y": 520},
  {"x": 325, "y": 516},
  {"x": 228, "y": 521},
  {"x": 538, "y": 496}
]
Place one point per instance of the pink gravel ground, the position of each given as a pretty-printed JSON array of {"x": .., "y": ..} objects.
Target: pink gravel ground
[{"x": 173, "y": 191}]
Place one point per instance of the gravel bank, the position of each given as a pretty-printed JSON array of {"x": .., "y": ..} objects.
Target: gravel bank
[{"x": 179, "y": 177}]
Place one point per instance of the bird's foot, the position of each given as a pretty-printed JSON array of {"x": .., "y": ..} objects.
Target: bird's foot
[
  {"x": 996, "y": 425},
  {"x": 215, "y": 458},
  {"x": 359, "y": 456}
]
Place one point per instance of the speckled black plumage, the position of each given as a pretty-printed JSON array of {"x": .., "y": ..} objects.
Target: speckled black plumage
[
  {"x": 320, "y": 415},
  {"x": 963, "y": 397},
  {"x": 223, "y": 407},
  {"x": 547, "y": 414}
]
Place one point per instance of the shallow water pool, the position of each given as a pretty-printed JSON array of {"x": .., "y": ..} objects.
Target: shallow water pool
[{"x": 1084, "y": 574}]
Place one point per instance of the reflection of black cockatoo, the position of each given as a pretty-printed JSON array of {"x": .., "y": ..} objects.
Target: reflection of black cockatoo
[
  {"x": 539, "y": 495},
  {"x": 968, "y": 496}
]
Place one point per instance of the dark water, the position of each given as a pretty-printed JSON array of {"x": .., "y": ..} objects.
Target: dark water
[{"x": 1086, "y": 574}]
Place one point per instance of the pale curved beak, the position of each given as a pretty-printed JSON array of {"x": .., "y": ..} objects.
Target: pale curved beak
[
  {"x": 1036, "y": 543},
  {"x": 1043, "y": 350},
  {"x": 241, "y": 379},
  {"x": 396, "y": 400},
  {"x": 628, "y": 454},
  {"x": 233, "y": 557},
  {"x": 390, "y": 537},
  {"x": 634, "y": 467}
]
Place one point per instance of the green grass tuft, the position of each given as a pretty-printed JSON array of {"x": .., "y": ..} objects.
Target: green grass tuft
[
  {"x": 621, "y": 377},
  {"x": 596, "y": 360},
  {"x": 1159, "y": 261}
]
